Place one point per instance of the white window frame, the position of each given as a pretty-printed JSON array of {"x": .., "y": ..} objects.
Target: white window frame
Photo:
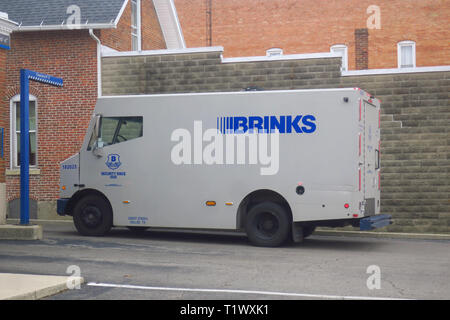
[
  {"x": 136, "y": 29},
  {"x": 402, "y": 44},
  {"x": 274, "y": 52},
  {"x": 338, "y": 48},
  {"x": 14, "y": 162}
]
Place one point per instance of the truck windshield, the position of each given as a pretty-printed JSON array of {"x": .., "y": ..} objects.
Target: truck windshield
[{"x": 119, "y": 129}]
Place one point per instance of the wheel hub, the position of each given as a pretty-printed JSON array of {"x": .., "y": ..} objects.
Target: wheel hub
[
  {"x": 91, "y": 216},
  {"x": 267, "y": 224}
]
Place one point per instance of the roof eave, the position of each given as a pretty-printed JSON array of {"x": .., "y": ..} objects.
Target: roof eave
[
  {"x": 66, "y": 27},
  {"x": 7, "y": 26},
  {"x": 119, "y": 16}
]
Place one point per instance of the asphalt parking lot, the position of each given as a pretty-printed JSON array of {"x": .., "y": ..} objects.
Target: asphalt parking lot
[{"x": 173, "y": 265}]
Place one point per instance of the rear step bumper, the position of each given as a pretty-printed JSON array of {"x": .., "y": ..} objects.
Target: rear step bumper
[{"x": 375, "y": 222}]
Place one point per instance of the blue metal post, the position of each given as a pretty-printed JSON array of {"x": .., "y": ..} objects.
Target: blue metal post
[
  {"x": 24, "y": 149},
  {"x": 25, "y": 77}
]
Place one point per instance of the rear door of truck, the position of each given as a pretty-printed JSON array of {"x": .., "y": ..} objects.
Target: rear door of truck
[{"x": 371, "y": 150}]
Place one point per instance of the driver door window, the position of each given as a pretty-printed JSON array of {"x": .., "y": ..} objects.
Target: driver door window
[{"x": 119, "y": 129}]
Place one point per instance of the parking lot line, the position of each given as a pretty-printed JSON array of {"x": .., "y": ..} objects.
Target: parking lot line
[{"x": 270, "y": 293}]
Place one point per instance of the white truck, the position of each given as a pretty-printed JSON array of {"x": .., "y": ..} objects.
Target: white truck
[{"x": 275, "y": 164}]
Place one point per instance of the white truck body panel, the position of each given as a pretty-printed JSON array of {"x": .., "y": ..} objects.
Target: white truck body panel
[{"x": 335, "y": 163}]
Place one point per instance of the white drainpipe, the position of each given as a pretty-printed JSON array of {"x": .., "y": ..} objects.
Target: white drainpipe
[{"x": 99, "y": 61}]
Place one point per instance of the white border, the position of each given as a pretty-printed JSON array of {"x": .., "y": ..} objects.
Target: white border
[
  {"x": 65, "y": 27},
  {"x": 12, "y": 132},
  {"x": 240, "y": 291},
  {"x": 344, "y": 58},
  {"x": 162, "y": 52},
  {"x": 138, "y": 25},
  {"x": 395, "y": 71},
  {"x": 407, "y": 43},
  {"x": 177, "y": 23},
  {"x": 99, "y": 62},
  {"x": 321, "y": 55},
  {"x": 349, "y": 89}
]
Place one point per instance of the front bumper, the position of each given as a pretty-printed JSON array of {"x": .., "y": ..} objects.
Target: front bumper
[
  {"x": 61, "y": 205},
  {"x": 374, "y": 222}
]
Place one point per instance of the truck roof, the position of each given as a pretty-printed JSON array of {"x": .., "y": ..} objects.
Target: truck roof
[{"x": 363, "y": 93}]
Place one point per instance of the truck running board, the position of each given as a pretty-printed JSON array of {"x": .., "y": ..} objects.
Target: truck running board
[{"x": 375, "y": 222}]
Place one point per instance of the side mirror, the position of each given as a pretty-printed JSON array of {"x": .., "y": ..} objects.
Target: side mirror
[
  {"x": 98, "y": 148},
  {"x": 97, "y": 126}
]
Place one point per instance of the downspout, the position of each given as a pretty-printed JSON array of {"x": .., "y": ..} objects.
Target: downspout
[{"x": 99, "y": 61}]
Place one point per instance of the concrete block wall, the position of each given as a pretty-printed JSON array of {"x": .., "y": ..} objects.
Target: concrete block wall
[
  {"x": 415, "y": 149},
  {"x": 415, "y": 117}
]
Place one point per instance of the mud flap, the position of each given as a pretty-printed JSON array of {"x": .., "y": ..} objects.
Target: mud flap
[{"x": 297, "y": 233}]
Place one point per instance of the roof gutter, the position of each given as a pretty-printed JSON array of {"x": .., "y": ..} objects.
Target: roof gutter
[
  {"x": 99, "y": 62},
  {"x": 66, "y": 27}
]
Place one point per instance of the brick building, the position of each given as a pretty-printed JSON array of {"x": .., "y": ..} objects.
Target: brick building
[
  {"x": 379, "y": 34},
  {"x": 6, "y": 27},
  {"x": 66, "y": 39},
  {"x": 415, "y": 109}
]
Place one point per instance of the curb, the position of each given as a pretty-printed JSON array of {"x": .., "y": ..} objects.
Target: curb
[
  {"x": 18, "y": 232},
  {"x": 319, "y": 232},
  {"x": 39, "y": 221},
  {"x": 37, "y": 287},
  {"x": 386, "y": 235}
]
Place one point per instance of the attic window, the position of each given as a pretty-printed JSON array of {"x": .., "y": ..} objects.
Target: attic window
[{"x": 274, "y": 52}]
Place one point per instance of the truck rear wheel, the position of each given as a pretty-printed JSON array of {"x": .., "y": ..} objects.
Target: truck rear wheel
[
  {"x": 92, "y": 216},
  {"x": 268, "y": 224}
]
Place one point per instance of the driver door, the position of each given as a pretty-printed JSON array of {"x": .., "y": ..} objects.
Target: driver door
[{"x": 109, "y": 164}]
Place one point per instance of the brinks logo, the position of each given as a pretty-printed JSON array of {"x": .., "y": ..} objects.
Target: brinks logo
[
  {"x": 281, "y": 124},
  {"x": 113, "y": 161}
]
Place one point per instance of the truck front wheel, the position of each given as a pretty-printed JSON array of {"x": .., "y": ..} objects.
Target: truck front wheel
[
  {"x": 268, "y": 224},
  {"x": 92, "y": 216}
]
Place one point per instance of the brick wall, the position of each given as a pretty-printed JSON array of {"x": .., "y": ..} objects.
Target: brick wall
[
  {"x": 152, "y": 36},
  {"x": 249, "y": 28},
  {"x": 151, "y": 33},
  {"x": 415, "y": 123},
  {"x": 120, "y": 38},
  {"x": 63, "y": 113}
]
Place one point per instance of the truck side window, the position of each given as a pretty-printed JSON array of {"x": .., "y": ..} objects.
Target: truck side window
[
  {"x": 119, "y": 129},
  {"x": 108, "y": 128},
  {"x": 129, "y": 128}
]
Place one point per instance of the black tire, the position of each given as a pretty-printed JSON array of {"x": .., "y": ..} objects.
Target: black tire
[
  {"x": 268, "y": 225},
  {"x": 308, "y": 230},
  {"x": 92, "y": 216}
]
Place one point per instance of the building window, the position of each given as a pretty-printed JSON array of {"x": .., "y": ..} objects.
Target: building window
[
  {"x": 15, "y": 131},
  {"x": 406, "y": 54},
  {"x": 274, "y": 52},
  {"x": 136, "y": 25},
  {"x": 343, "y": 51}
]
